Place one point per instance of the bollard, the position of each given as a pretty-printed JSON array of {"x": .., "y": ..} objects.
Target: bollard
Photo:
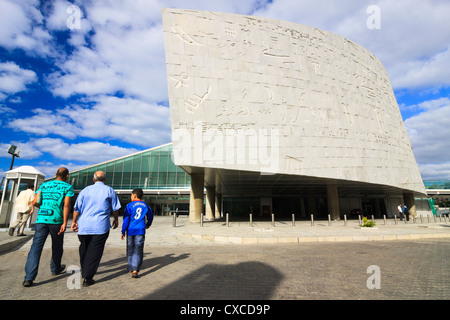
[
  {"x": 201, "y": 220},
  {"x": 421, "y": 219},
  {"x": 251, "y": 220},
  {"x": 312, "y": 220},
  {"x": 395, "y": 219},
  {"x": 228, "y": 224},
  {"x": 293, "y": 220},
  {"x": 273, "y": 220},
  {"x": 345, "y": 220},
  {"x": 174, "y": 221},
  {"x": 329, "y": 220},
  {"x": 359, "y": 219},
  {"x": 384, "y": 218},
  {"x": 373, "y": 219}
]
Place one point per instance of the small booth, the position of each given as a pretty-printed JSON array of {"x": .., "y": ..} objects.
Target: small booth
[{"x": 15, "y": 181}]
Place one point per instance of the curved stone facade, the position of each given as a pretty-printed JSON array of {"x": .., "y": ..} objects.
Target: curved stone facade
[{"x": 256, "y": 94}]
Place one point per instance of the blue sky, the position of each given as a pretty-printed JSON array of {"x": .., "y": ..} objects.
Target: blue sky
[{"x": 87, "y": 83}]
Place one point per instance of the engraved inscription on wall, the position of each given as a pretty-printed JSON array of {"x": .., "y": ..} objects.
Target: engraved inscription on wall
[{"x": 328, "y": 96}]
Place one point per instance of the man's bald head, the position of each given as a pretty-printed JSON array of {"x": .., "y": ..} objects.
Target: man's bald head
[{"x": 99, "y": 176}]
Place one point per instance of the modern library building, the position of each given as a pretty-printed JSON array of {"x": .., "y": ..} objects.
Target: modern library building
[{"x": 271, "y": 117}]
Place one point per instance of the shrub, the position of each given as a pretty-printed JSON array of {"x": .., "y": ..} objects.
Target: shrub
[{"x": 368, "y": 223}]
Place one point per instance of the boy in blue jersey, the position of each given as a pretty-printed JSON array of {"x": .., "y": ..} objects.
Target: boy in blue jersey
[{"x": 134, "y": 226}]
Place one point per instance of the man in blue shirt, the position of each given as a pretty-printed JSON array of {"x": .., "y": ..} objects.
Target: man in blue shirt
[
  {"x": 53, "y": 199},
  {"x": 91, "y": 219},
  {"x": 134, "y": 226}
]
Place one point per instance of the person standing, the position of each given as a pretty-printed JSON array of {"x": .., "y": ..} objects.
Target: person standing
[
  {"x": 400, "y": 211},
  {"x": 23, "y": 208},
  {"x": 91, "y": 219},
  {"x": 406, "y": 212},
  {"x": 134, "y": 225},
  {"x": 53, "y": 199}
]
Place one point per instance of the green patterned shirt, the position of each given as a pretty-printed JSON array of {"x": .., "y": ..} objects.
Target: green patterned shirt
[{"x": 51, "y": 200}]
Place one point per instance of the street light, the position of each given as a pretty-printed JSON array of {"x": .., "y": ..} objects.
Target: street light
[{"x": 12, "y": 150}]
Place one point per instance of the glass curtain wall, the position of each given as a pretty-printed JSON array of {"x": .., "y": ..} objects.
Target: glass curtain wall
[{"x": 150, "y": 169}]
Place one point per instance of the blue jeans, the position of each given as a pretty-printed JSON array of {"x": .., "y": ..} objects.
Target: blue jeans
[
  {"x": 41, "y": 232},
  {"x": 135, "y": 252}
]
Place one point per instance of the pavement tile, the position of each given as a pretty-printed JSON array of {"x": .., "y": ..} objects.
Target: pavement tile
[{"x": 285, "y": 262}]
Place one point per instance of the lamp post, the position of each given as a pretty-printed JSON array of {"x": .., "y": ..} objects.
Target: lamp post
[{"x": 12, "y": 150}]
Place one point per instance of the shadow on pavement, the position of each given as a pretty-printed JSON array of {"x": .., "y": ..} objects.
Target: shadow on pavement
[
  {"x": 118, "y": 267},
  {"x": 247, "y": 280}
]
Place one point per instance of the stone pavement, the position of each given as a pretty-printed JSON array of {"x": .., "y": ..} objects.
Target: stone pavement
[
  {"x": 263, "y": 232},
  {"x": 240, "y": 262}
]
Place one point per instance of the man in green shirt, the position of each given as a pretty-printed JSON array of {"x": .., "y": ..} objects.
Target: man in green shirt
[{"x": 53, "y": 199}]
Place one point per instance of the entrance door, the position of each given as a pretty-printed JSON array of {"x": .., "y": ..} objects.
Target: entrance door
[{"x": 266, "y": 211}]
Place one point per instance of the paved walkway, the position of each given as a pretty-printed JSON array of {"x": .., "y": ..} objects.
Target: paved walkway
[
  {"x": 240, "y": 262},
  {"x": 162, "y": 232}
]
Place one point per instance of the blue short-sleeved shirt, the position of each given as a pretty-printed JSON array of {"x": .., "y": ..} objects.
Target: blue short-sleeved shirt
[
  {"x": 51, "y": 201},
  {"x": 95, "y": 204}
]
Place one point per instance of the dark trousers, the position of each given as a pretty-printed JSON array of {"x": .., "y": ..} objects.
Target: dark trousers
[
  {"x": 42, "y": 230},
  {"x": 91, "y": 251}
]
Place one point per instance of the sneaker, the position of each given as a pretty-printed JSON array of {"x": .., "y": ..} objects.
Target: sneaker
[
  {"x": 60, "y": 270},
  {"x": 11, "y": 231},
  {"x": 27, "y": 283}
]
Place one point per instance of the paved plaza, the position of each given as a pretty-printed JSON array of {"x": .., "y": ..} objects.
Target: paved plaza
[{"x": 285, "y": 262}]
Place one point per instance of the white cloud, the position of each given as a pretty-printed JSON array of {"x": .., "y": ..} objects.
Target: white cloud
[
  {"x": 49, "y": 168},
  {"x": 90, "y": 152},
  {"x": 412, "y": 42},
  {"x": 87, "y": 152},
  {"x": 440, "y": 171},
  {"x": 123, "y": 119},
  {"x": 46, "y": 122},
  {"x": 5, "y": 112},
  {"x": 14, "y": 79},
  {"x": 22, "y": 27},
  {"x": 125, "y": 52},
  {"x": 429, "y": 133},
  {"x": 418, "y": 73},
  {"x": 26, "y": 150}
]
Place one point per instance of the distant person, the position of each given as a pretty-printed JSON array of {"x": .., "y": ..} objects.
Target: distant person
[
  {"x": 53, "y": 199},
  {"x": 406, "y": 212},
  {"x": 91, "y": 219},
  {"x": 22, "y": 207},
  {"x": 134, "y": 225},
  {"x": 400, "y": 211}
]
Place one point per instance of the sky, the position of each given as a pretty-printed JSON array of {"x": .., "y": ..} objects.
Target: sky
[{"x": 83, "y": 82}]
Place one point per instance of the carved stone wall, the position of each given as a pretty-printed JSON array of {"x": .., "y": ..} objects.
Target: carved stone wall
[{"x": 250, "y": 93}]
